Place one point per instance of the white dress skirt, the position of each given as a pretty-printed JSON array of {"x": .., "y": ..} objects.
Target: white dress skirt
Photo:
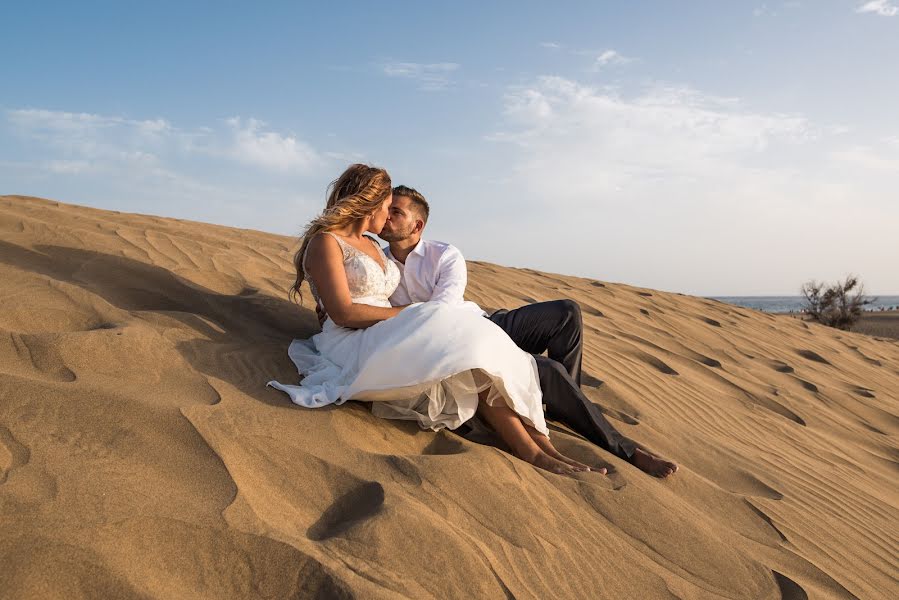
[{"x": 427, "y": 364}]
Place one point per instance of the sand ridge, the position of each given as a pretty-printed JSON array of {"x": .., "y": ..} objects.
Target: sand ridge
[{"x": 141, "y": 454}]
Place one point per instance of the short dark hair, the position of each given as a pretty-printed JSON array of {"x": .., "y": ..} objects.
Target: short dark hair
[{"x": 418, "y": 201}]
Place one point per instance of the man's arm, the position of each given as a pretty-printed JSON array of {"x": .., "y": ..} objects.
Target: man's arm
[{"x": 452, "y": 277}]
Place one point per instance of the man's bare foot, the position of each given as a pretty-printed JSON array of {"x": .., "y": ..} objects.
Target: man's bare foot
[
  {"x": 655, "y": 466},
  {"x": 547, "y": 446}
]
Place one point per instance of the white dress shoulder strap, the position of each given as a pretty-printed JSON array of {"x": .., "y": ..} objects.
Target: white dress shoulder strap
[{"x": 347, "y": 249}]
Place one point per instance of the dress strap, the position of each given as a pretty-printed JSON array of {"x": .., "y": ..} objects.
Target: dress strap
[
  {"x": 336, "y": 237},
  {"x": 347, "y": 249},
  {"x": 344, "y": 247}
]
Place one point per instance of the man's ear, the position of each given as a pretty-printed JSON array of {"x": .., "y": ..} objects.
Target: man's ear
[{"x": 419, "y": 226}]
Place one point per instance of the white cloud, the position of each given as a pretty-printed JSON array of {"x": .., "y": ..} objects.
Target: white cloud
[
  {"x": 883, "y": 156},
  {"x": 89, "y": 136},
  {"x": 667, "y": 129},
  {"x": 718, "y": 193},
  {"x": 550, "y": 45},
  {"x": 69, "y": 167},
  {"x": 431, "y": 76},
  {"x": 611, "y": 57},
  {"x": 93, "y": 140},
  {"x": 883, "y": 8},
  {"x": 269, "y": 149},
  {"x": 205, "y": 173}
]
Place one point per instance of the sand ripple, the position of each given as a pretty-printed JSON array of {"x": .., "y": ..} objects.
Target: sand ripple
[{"x": 142, "y": 456}]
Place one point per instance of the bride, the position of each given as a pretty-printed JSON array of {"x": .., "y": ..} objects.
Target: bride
[{"x": 434, "y": 363}]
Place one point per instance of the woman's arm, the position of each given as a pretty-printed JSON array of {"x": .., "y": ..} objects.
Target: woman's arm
[{"x": 324, "y": 266}]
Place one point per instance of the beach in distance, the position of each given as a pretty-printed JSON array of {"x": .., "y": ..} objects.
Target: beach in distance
[
  {"x": 880, "y": 318},
  {"x": 141, "y": 454},
  {"x": 795, "y": 304}
]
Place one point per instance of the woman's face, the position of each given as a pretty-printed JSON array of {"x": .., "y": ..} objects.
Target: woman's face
[{"x": 380, "y": 216}]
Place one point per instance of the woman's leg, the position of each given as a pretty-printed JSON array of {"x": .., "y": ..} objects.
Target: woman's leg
[{"x": 509, "y": 427}]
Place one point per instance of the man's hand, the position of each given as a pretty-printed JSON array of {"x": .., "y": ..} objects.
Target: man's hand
[{"x": 321, "y": 314}]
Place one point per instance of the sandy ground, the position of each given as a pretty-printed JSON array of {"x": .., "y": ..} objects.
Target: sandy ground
[
  {"x": 883, "y": 324},
  {"x": 142, "y": 456}
]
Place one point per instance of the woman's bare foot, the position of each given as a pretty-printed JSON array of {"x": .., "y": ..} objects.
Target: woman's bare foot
[
  {"x": 548, "y": 463},
  {"x": 655, "y": 466},
  {"x": 547, "y": 446}
]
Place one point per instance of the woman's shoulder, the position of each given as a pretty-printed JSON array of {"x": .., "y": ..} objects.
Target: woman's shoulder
[{"x": 325, "y": 242}]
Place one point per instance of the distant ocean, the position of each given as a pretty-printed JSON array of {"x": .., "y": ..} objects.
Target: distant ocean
[{"x": 785, "y": 304}]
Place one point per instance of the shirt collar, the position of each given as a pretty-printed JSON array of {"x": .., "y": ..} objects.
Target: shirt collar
[{"x": 419, "y": 249}]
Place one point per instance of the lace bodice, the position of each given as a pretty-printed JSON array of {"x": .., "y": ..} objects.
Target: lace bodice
[{"x": 368, "y": 282}]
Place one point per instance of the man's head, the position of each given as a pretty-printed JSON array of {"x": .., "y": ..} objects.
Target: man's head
[{"x": 408, "y": 215}]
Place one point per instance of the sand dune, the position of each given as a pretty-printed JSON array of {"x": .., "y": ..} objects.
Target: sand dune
[{"x": 141, "y": 454}]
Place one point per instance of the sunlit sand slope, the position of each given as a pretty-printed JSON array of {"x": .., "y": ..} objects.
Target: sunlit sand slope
[{"x": 142, "y": 456}]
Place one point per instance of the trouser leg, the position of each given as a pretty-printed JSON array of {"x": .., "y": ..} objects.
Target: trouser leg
[
  {"x": 555, "y": 327},
  {"x": 566, "y": 403}
]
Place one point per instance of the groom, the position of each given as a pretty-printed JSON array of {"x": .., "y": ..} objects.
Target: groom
[{"x": 435, "y": 272}]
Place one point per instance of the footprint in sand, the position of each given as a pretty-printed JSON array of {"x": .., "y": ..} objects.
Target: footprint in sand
[
  {"x": 406, "y": 468},
  {"x": 591, "y": 310},
  {"x": 814, "y": 356},
  {"x": 30, "y": 486},
  {"x": 764, "y": 517},
  {"x": 359, "y": 504},
  {"x": 868, "y": 359},
  {"x": 778, "y": 408},
  {"x": 38, "y": 351},
  {"x": 870, "y": 427},
  {"x": 703, "y": 359},
  {"x": 602, "y": 399},
  {"x": 738, "y": 481},
  {"x": 779, "y": 366},
  {"x": 590, "y": 380},
  {"x": 656, "y": 363},
  {"x": 443, "y": 445},
  {"x": 789, "y": 589},
  {"x": 808, "y": 385},
  {"x": 12, "y": 454}
]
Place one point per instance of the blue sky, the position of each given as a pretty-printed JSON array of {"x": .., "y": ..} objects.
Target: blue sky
[{"x": 706, "y": 147}]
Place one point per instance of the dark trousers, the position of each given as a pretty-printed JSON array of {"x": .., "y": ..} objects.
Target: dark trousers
[{"x": 556, "y": 327}]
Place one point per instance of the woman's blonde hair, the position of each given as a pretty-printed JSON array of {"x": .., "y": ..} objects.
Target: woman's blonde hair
[{"x": 355, "y": 195}]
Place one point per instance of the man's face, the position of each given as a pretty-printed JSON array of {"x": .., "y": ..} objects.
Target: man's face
[{"x": 401, "y": 221}]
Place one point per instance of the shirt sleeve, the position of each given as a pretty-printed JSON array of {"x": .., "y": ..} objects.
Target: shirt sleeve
[{"x": 452, "y": 277}]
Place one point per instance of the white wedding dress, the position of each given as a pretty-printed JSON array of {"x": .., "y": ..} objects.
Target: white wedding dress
[{"x": 426, "y": 364}]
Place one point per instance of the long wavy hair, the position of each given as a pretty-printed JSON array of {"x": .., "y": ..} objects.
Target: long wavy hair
[{"x": 355, "y": 195}]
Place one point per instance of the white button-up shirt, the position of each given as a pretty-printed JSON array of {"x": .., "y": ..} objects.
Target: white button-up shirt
[{"x": 433, "y": 272}]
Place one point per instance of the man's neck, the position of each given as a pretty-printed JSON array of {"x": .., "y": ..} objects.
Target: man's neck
[{"x": 403, "y": 248}]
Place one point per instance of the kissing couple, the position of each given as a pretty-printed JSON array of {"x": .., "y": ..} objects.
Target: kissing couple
[{"x": 397, "y": 332}]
